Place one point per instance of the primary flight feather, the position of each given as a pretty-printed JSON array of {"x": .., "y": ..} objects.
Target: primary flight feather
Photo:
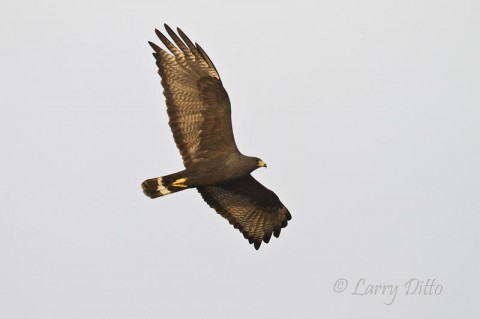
[{"x": 200, "y": 118}]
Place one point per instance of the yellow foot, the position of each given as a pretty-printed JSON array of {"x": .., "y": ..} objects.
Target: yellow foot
[{"x": 180, "y": 183}]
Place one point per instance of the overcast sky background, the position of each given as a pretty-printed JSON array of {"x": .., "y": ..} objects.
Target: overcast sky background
[{"x": 367, "y": 113}]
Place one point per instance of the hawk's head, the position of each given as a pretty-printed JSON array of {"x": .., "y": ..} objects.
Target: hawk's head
[
  {"x": 248, "y": 164},
  {"x": 260, "y": 163}
]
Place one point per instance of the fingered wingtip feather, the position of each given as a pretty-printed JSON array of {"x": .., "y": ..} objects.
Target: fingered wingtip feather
[
  {"x": 167, "y": 28},
  {"x": 276, "y": 232},
  {"x": 177, "y": 40},
  {"x": 158, "y": 33},
  {"x": 267, "y": 237},
  {"x": 189, "y": 43},
  {"x": 155, "y": 47}
]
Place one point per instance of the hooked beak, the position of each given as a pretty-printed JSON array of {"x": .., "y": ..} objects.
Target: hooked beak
[{"x": 262, "y": 164}]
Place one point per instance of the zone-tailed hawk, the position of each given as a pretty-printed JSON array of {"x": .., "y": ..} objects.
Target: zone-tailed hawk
[{"x": 199, "y": 110}]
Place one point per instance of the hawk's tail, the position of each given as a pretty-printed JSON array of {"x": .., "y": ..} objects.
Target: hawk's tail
[{"x": 161, "y": 186}]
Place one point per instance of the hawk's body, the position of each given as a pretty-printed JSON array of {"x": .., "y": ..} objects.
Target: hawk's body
[{"x": 199, "y": 110}]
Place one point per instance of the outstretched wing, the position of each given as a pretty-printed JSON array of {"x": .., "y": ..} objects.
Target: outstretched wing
[
  {"x": 250, "y": 207},
  {"x": 197, "y": 104}
]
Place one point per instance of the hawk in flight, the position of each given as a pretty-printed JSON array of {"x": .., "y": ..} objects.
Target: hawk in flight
[{"x": 199, "y": 111}]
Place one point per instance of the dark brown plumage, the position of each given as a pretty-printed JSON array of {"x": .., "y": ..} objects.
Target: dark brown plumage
[{"x": 200, "y": 118}]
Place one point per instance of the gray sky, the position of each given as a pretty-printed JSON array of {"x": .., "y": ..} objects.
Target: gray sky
[{"x": 366, "y": 112}]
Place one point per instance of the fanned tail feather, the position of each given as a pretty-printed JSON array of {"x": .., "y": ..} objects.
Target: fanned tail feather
[{"x": 165, "y": 185}]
